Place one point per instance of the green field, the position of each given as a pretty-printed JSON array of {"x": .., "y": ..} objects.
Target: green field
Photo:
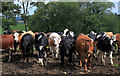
[{"x": 18, "y": 27}]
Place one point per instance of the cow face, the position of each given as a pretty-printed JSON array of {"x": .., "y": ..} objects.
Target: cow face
[
  {"x": 113, "y": 37},
  {"x": 56, "y": 41},
  {"x": 16, "y": 36},
  {"x": 67, "y": 44},
  {"x": 89, "y": 45}
]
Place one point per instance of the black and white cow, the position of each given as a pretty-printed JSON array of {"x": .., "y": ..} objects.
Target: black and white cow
[
  {"x": 7, "y": 32},
  {"x": 68, "y": 33},
  {"x": 105, "y": 44},
  {"x": 41, "y": 43},
  {"x": 26, "y": 44},
  {"x": 67, "y": 48}
]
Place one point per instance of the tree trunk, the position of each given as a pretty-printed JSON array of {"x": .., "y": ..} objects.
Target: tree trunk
[{"x": 26, "y": 26}]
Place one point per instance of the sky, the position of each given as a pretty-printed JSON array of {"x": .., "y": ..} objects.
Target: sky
[{"x": 114, "y": 10}]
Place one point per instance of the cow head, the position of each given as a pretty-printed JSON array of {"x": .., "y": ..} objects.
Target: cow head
[
  {"x": 113, "y": 37},
  {"x": 16, "y": 36},
  {"x": 89, "y": 45},
  {"x": 67, "y": 44},
  {"x": 55, "y": 40}
]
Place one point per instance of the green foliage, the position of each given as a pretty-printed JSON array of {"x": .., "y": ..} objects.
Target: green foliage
[
  {"x": 18, "y": 27},
  {"x": 7, "y": 22},
  {"x": 76, "y": 16},
  {"x": 9, "y": 13}
]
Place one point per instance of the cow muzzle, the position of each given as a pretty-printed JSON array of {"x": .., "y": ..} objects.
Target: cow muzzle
[{"x": 40, "y": 47}]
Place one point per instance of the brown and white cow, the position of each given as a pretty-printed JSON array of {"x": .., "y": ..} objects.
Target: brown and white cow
[
  {"x": 7, "y": 42},
  {"x": 109, "y": 34},
  {"x": 54, "y": 40},
  {"x": 118, "y": 40},
  {"x": 84, "y": 46}
]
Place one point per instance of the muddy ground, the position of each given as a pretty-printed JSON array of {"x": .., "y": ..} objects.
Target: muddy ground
[{"x": 19, "y": 66}]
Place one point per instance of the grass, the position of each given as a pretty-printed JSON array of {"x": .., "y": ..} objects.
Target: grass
[
  {"x": 19, "y": 26},
  {"x": 116, "y": 65}
]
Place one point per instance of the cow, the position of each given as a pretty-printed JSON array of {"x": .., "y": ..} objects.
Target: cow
[
  {"x": 109, "y": 34},
  {"x": 105, "y": 44},
  {"x": 41, "y": 44},
  {"x": 7, "y": 32},
  {"x": 67, "y": 48},
  {"x": 7, "y": 42},
  {"x": 92, "y": 35},
  {"x": 68, "y": 33},
  {"x": 118, "y": 40},
  {"x": 19, "y": 34},
  {"x": 84, "y": 46},
  {"x": 54, "y": 40},
  {"x": 16, "y": 36},
  {"x": 26, "y": 44}
]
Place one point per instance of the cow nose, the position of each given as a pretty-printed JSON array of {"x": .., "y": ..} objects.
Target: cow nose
[{"x": 67, "y": 51}]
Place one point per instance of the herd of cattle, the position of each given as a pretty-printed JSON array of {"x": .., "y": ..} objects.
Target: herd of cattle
[{"x": 65, "y": 43}]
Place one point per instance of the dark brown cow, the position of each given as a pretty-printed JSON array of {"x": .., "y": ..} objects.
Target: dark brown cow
[
  {"x": 84, "y": 46},
  {"x": 7, "y": 42}
]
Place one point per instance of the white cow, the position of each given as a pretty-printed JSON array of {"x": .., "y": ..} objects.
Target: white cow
[{"x": 54, "y": 40}]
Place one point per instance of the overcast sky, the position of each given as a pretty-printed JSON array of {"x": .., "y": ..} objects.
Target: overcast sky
[{"x": 114, "y": 10}]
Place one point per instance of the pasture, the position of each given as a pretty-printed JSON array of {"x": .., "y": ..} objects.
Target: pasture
[{"x": 19, "y": 66}]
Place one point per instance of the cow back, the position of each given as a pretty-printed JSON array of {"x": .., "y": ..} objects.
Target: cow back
[
  {"x": 6, "y": 41},
  {"x": 109, "y": 34}
]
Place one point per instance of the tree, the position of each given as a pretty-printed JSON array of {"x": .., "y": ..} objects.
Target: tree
[
  {"x": 25, "y": 7},
  {"x": 9, "y": 13},
  {"x": 76, "y": 16}
]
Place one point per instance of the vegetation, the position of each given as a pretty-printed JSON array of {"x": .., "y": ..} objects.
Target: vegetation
[
  {"x": 57, "y": 16},
  {"x": 9, "y": 12},
  {"x": 76, "y": 16}
]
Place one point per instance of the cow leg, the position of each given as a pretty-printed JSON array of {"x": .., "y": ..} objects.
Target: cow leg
[
  {"x": 41, "y": 61},
  {"x": 85, "y": 64},
  {"x": 62, "y": 58},
  {"x": 103, "y": 57},
  {"x": 27, "y": 56},
  {"x": 111, "y": 57},
  {"x": 80, "y": 63},
  {"x": 89, "y": 64},
  {"x": 41, "y": 57},
  {"x": 10, "y": 56},
  {"x": 70, "y": 58},
  {"x": 45, "y": 54},
  {"x": 75, "y": 54},
  {"x": 51, "y": 51},
  {"x": 23, "y": 54},
  {"x": 96, "y": 54},
  {"x": 32, "y": 51},
  {"x": 57, "y": 52}
]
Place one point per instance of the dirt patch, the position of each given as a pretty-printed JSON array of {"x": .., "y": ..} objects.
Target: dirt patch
[{"x": 19, "y": 66}]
